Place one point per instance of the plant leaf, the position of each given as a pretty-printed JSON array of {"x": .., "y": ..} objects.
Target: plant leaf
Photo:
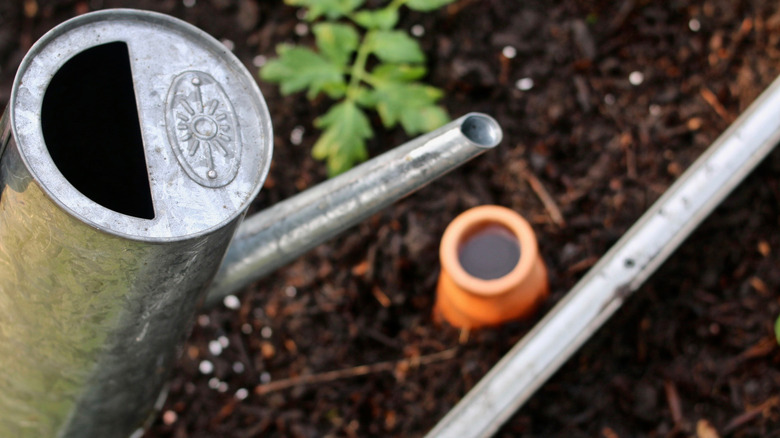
[
  {"x": 332, "y": 9},
  {"x": 336, "y": 41},
  {"x": 384, "y": 19},
  {"x": 395, "y": 46},
  {"x": 335, "y": 90},
  {"x": 298, "y": 68},
  {"x": 777, "y": 329},
  {"x": 424, "y": 119},
  {"x": 396, "y": 98},
  {"x": 427, "y": 5},
  {"x": 398, "y": 72},
  {"x": 365, "y": 97},
  {"x": 343, "y": 142}
]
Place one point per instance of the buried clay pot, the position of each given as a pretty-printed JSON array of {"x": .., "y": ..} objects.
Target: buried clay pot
[{"x": 491, "y": 271}]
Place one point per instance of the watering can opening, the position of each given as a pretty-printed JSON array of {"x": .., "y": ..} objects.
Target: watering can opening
[
  {"x": 89, "y": 121},
  {"x": 140, "y": 125}
]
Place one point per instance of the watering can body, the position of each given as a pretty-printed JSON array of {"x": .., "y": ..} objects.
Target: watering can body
[{"x": 131, "y": 147}]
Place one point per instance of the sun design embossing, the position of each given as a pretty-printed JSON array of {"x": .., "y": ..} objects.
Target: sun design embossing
[{"x": 203, "y": 127}]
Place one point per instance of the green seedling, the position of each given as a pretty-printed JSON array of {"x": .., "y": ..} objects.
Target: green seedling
[{"x": 349, "y": 38}]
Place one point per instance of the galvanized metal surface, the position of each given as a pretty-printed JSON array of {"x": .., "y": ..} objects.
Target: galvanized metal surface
[
  {"x": 94, "y": 302},
  {"x": 515, "y": 378},
  {"x": 274, "y": 237},
  {"x": 167, "y": 57}
]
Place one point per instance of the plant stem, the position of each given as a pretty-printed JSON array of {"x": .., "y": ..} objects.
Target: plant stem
[{"x": 358, "y": 71}]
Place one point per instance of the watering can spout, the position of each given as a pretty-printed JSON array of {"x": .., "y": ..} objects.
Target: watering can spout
[{"x": 280, "y": 234}]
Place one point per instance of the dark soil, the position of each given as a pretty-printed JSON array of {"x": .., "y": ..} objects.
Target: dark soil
[{"x": 691, "y": 354}]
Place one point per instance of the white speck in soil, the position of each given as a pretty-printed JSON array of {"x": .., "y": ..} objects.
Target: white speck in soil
[
  {"x": 296, "y": 135},
  {"x": 169, "y": 417},
  {"x": 232, "y": 302},
  {"x": 694, "y": 25},
  {"x": 213, "y": 383},
  {"x": 655, "y": 110},
  {"x": 215, "y": 348},
  {"x": 189, "y": 3},
  {"x": 265, "y": 377},
  {"x": 509, "y": 52},
  {"x": 246, "y": 329},
  {"x": 525, "y": 84},
  {"x": 418, "y": 30},
  {"x": 230, "y": 45},
  {"x": 222, "y": 387},
  {"x": 301, "y": 29},
  {"x": 266, "y": 332},
  {"x": 259, "y": 60},
  {"x": 290, "y": 291},
  {"x": 238, "y": 367},
  {"x": 636, "y": 78},
  {"x": 206, "y": 367},
  {"x": 242, "y": 393},
  {"x": 609, "y": 99},
  {"x": 203, "y": 320},
  {"x": 223, "y": 341}
]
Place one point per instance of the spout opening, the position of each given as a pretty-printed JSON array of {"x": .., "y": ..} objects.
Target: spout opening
[{"x": 481, "y": 130}]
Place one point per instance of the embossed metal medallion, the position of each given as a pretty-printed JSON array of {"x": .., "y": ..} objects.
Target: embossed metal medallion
[{"x": 203, "y": 129}]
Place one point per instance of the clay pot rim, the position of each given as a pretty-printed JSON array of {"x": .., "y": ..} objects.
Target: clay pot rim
[{"x": 474, "y": 218}]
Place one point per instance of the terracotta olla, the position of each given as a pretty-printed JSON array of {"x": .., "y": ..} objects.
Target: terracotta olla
[{"x": 491, "y": 271}]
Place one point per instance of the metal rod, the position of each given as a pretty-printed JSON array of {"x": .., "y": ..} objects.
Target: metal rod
[
  {"x": 280, "y": 234},
  {"x": 515, "y": 378}
]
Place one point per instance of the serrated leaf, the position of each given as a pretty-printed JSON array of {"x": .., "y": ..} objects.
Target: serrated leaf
[
  {"x": 395, "y": 46},
  {"x": 384, "y": 19},
  {"x": 398, "y": 72},
  {"x": 343, "y": 142},
  {"x": 298, "y": 68},
  {"x": 336, "y": 41},
  {"x": 427, "y": 5},
  {"x": 395, "y": 98},
  {"x": 332, "y": 9},
  {"x": 424, "y": 119}
]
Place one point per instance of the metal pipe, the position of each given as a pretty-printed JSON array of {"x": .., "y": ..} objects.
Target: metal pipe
[
  {"x": 515, "y": 378},
  {"x": 280, "y": 234}
]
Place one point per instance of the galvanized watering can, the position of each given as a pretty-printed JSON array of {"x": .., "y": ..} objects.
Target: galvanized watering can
[{"x": 131, "y": 148}]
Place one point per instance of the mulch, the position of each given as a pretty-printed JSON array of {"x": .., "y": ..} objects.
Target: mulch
[{"x": 623, "y": 96}]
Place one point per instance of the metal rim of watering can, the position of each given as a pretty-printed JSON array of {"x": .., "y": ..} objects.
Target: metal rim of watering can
[{"x": 66, "y": 40}]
